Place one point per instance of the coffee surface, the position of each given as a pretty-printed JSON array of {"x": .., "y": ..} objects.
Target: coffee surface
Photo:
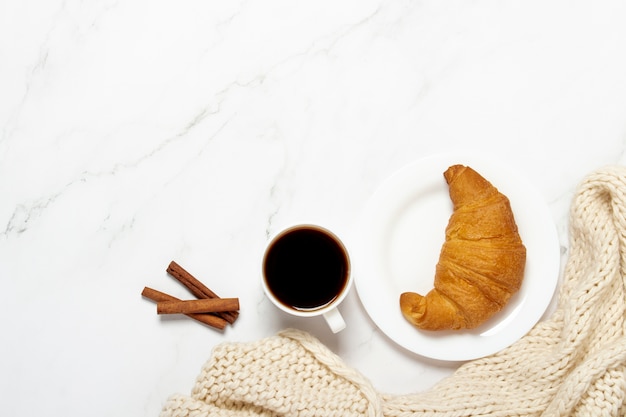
[{"x": 306, "y": 269}]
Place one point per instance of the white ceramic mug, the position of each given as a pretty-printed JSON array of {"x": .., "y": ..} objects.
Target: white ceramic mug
[{"x": 306, "y": 272}]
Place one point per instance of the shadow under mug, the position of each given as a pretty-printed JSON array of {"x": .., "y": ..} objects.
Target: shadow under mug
[{"x": 306, "y": 273}]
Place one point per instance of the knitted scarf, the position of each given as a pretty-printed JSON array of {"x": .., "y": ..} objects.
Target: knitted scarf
[{"x": 573, "y": 364}]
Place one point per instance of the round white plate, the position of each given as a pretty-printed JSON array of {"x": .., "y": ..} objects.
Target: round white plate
[{"x": 397, "y": 243}]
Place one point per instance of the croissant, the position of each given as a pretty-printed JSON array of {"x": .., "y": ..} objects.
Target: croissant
[{"x": 481, "y": 263}]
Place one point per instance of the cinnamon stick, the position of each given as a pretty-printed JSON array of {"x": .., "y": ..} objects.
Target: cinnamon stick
[
  {"x": 205, "y": 305},
  {"x": 198, "y": 289},
  {"x": 208, "y": 319}
]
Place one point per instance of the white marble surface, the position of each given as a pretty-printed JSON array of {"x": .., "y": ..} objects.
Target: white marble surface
[{"x": 135, "y": 133}]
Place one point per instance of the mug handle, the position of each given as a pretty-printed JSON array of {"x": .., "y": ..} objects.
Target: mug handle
[{"x": 334, "y": 320}]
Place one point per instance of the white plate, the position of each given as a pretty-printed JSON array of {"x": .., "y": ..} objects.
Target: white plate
[{"x": 397, "y": 244}]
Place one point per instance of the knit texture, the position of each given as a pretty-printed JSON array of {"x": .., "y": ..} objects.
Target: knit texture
[{"x": 573, "y": 364}]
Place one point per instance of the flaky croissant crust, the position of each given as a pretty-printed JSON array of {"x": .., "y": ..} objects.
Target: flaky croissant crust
[{"x": 481, "y": 263}]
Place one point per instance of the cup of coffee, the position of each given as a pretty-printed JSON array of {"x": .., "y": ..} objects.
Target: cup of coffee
[{"x": 306, "y": 273}]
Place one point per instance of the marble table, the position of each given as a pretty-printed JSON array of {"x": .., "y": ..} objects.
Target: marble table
[{"x": 137, "y": 133}]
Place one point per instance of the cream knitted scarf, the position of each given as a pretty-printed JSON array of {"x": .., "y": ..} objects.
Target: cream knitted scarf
[{"x": 573, "y": 364}]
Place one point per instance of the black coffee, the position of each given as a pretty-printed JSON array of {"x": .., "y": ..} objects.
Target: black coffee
[{"x": 306, "y": 269}]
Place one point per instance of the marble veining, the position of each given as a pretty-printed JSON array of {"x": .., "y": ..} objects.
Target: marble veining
[{"x": 136, "y": 133}]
